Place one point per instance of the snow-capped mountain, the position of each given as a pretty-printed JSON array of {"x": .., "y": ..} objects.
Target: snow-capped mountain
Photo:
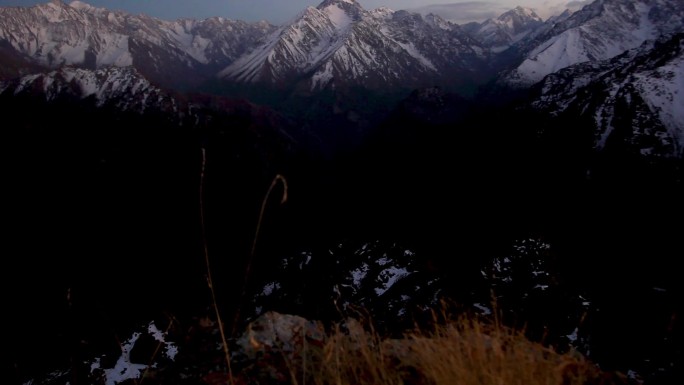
[
  {"x": 123, "y": 88},
  {"x": 171, "y": 52},
  {"x": 339, "y": 43},
  {"x": 507, "y": 29},
  {"x": 634, "y": 99},
  {"x": 599, "y": 31}
]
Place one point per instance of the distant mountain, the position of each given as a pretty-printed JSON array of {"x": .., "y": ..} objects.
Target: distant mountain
[
  {"x": 337, "y": 44},
  {"x": 340, "y": 44},
  {"x": 599, "y": 31},
  {"x": 463, "y": 12},
  {"x": 505, "y": 30},
  {"x": 121, "y": 88},
  {"x": 173, "y": 53},
  {"x": 334, "y": 46}
]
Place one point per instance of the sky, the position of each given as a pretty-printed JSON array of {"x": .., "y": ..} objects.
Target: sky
[{"x": 280, "y": 11}]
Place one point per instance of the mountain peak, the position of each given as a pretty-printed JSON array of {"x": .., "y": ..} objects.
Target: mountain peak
[
  {"x": 382, "y": 12},
  {"x": 507, "y": 29},
  {"x": 82, "y": 6},
  {"x": 351, "y": 7},
  {"x": 79, "y": 4},
  {"x": 520, "y": 12},
  {"x": 521, "y": 9},
  {"x": 340, "y": 44},
  {"x": 327, "y": 3}
]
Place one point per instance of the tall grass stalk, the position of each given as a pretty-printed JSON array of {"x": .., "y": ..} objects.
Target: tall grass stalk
[
  {"x": 248, "y": 265},
  {"x": 210, "y": 281}
]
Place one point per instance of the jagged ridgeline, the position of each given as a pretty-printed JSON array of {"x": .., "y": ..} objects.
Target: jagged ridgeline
[{"x": 416, "y": 151}]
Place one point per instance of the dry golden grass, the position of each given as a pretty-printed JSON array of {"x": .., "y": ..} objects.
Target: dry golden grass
[
  {"x": 465, "y": 351},
  {"x": 461, "y": 352}
]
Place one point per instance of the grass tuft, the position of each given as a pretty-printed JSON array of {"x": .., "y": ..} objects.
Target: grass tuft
[{"x": 464, "y": 351}]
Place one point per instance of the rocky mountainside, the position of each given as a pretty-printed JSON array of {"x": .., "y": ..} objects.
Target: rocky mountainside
[
  {"x": 340, "y": 44},
  {"x": 121, "y": 88},
  {"x": 599, "y": 31},
  {"x": 526, "y": 283},
  {"x": 173, "y": 53},
  {"x": 633, "y": 100},
  {"x": 335, "y": 44},
  {"x": 500, "y": 33}
]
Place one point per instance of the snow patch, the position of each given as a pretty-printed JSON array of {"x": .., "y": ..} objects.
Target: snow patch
[
  {"x": 389, "y": 277},
  {"x": 555, "y": 54},
  {"x": 270, "y": 288},
  {"x": 339, "y": 17},
  {"x": 382, "y": 12},
  {"x": 304, "y": 263},
  {"x": 415, "y": 53},
  {"x": 359, "y": 274},
  {"x": 117, "y": 53},
  {"x": 382, "y": 261},
  {"x": 81, "y": 6},
  {"x": 484, "y": 309},
  {"x": 170, "y": 349},
  {"x": 124, "y": 369}
]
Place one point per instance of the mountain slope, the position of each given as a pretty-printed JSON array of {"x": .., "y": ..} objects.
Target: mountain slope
[
  {"x": 599, "y": 31},
  {"x": 507, "y": 29},
  {"x": 171, "y": 52},
  {"x": 122, "y": 88},
  {"x": 633, "y": 100},
  {"x": 339, "y": 44}
]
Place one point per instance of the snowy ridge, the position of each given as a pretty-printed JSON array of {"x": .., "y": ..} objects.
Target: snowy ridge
[
  {"x": 123, "y": 87},
  {"x": 78, "y": 34},
  {"x": 645, "y": 83},
  {"x": 311, "y": 38},
  {"x": 341, "y": 43},
  {"x": 600, "y": 31},
  {"x": 55, "y": 34}
]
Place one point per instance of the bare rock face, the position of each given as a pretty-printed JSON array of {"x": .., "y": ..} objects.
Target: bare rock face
[{"x": 275, "y": 333}]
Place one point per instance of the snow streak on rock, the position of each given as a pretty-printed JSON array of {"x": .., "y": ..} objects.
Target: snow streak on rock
[{"x": 600, "y": 31}]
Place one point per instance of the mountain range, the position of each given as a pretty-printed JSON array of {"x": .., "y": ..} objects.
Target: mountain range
[
  {"x": 339, "y": 44},
  {"x": 156, "y": 137},
  {"x": 337, "y": 48},
  {"x": 173, "y": 54}
]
